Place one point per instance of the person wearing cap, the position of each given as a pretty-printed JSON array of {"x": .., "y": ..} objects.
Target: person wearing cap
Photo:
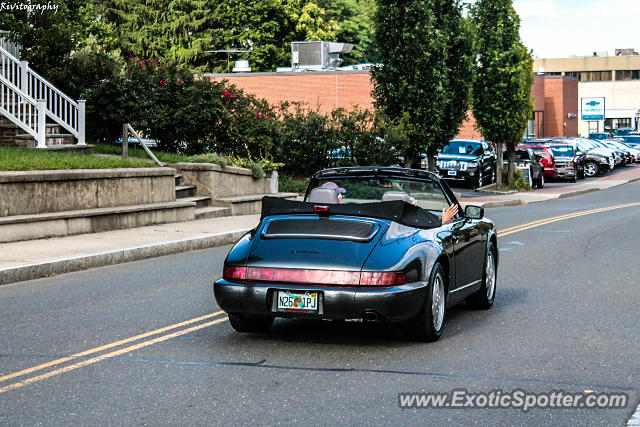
[{"x": 333, "y": 186}]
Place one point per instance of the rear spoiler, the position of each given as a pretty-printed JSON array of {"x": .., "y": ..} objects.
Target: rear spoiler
[{"x": 395, "y": 210}]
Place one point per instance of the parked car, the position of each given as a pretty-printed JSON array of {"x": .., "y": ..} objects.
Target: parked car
[
  {"x": 569, "y": 160},
  {"x": 596, "y": 161},
  {"x": 621, "y": 156},
  {"x": 623, "y": 131},
  {"x": 630, "y": 153},
  {"x": 599, "y": 135},
  {"x": 632, "y": 140},
  {"x": 526, "y": 159},
  {"x": 469, "y": 161},
  {"x": 548, "y": 160},
  {"x": 382, "y": 255},
  {"x": 151, "y": 143}
]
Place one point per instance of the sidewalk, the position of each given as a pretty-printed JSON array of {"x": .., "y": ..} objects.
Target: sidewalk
[
  {"x": 581, "y": 187},
  {"x": 33, "y": 259}
]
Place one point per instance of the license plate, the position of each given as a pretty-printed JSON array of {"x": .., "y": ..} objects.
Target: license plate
[
  {"x": 293, "y": 301},
  {"x": 452, "y": 173}
]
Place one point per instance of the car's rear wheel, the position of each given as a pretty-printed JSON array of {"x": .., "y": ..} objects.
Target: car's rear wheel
[
  {"x": 540, "y": 183},
  {"x": 591, "y": 169},
  {"x": 429, "y": 323},
  {"x": 242, "y": 323},
  {"x": 484, "y": 297}
]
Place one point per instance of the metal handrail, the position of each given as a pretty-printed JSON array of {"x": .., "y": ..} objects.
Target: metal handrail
[
  {"x": 22, "y": 110},
  {"x": 126, "y": 128}
]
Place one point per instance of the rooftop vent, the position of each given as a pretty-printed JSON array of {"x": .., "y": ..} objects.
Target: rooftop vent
[{"x": 241, "y": 66}]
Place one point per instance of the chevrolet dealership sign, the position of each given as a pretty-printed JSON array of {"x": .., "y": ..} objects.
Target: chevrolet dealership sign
[{"x": 592, "y": 108}]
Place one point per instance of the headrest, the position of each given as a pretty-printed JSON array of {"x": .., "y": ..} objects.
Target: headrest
[
  {"x": 396, "y": 195},
  {"x": 323, "y": 195}
]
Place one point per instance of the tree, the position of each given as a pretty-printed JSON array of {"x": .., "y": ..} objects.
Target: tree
[
  {"x": 502, "y": 101},
  {"x": 167, "y": 29},
  {"x": 423, "y": 81},
  {"x": 47, "y": 35}
]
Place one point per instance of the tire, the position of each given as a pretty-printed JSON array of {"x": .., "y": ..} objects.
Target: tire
[
  {"x": 493, "y": 175},
  {"x": 574, "y": 178},
  {"x": 540, "y": 183},
  {"x": 591, "y": 169},
  {"x": 485, "y": 296},
  {"x": 429, "y": 323},
  {"x": 242, "y": 323}
]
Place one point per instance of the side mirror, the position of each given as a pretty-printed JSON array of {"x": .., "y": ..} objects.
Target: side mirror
[
  {"x": 579, "y": 153},
  {"x": 474, "y": 212}
]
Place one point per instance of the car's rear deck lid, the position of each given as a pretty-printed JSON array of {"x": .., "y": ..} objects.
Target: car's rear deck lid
[{"x": 320, "y": 228}]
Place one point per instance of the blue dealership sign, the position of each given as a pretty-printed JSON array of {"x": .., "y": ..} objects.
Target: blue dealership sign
[{"x": 592, "y": 108}]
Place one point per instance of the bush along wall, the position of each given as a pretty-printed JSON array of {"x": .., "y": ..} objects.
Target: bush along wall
[{"x": 193, "y": 116}]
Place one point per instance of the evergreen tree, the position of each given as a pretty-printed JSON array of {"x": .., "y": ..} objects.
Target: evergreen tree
[
  {"x": 423, "y": 80},
  {"x": 502, "y": 101}
]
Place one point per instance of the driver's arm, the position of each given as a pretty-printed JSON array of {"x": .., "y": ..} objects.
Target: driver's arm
[{"x": 449, "y": 213}]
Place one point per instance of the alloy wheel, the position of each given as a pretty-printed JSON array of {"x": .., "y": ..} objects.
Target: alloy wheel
[
  {"x": 437, "y": 302},
  {"x": 591, "y": 169},
  {"x": 490, "y": 274}
]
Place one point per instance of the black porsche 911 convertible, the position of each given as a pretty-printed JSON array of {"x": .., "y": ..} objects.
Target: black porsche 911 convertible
[{"x": 367, "y": 243}]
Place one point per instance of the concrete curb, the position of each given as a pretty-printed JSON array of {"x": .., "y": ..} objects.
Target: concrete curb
[
  {"x": 503, "y": 203},
  {"x": 85, "y": 262},
  {"x": 577, "y": 193}
]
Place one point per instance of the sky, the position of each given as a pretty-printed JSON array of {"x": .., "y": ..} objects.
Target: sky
[{"x": 564, "y": 28}]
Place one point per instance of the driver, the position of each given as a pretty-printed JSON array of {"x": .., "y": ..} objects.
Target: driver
[{"x": 333, "y": 186}]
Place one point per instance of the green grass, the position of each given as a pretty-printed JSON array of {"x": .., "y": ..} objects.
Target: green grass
[
  {"x": 139, "y": 153},
  {"x": 25, "y": 159}
]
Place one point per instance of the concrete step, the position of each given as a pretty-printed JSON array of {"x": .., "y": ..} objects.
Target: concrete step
[
  {"x": 200, "y": 201},
  {"x": 183, "y": 191},
  {"x": 23, "y": 140},
  {"x": 213, "y": 212},
  {"x": 249, "y": 204},
  {"x": 38, "y": 226}
]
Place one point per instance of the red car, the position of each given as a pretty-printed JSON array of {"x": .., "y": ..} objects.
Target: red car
[{"x": 548, "y": 160}]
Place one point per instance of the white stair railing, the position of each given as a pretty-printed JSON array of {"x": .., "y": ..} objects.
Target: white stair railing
[
  {"x": 28, "y": 114},
  {"x": 59, "y": 107}
]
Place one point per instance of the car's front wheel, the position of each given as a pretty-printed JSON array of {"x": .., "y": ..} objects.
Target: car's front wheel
[
  {"x": 429, "y": 323},
  {"x": 484, "y": 297},
  {"x": 540, "y": 183},
  {"x": 242, "y": 323},
  {"x": 591, "y": 169}
]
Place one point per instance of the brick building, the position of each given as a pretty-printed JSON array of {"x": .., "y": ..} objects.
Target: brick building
[{"x": 555, "y": 111}]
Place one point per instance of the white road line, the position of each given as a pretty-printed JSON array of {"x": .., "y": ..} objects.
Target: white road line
[{"x": 634, "y": 421}]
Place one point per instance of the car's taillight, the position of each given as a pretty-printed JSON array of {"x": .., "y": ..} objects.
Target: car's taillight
[
  {"x": 385, "y": 278},
  {"x": 319, "y": 277},
  {"x": 230, "y": 273},
  {"x": 323, "y": 277}
]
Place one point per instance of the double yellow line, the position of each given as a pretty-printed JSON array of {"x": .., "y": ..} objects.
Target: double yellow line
[
  {"x": 538, "y": 223},
  {"x": 96, "y": 359}
]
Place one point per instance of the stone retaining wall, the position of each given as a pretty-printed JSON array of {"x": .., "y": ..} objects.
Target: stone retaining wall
[
  {"x": 215, "y": 181},
  {"x": 35, "y": 192}
]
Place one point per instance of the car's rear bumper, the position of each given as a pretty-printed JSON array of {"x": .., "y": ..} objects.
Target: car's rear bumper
[{"x": 388, "y": 304}]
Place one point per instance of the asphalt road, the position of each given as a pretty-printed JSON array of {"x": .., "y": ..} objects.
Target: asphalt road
[{"x": 566, "y": 318}]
